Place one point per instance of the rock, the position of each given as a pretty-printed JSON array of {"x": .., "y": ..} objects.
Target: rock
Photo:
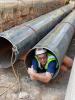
[{"x": 23, "y": 95}]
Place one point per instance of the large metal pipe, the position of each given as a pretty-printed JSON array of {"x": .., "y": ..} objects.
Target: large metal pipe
[
  {"x": 57, "y": 41},
  {"x": 70, "y": 94},
  {"x": 25, "y": 36}
]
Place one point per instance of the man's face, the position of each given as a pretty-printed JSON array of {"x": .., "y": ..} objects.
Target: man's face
[{"x": 42, "y": 58}]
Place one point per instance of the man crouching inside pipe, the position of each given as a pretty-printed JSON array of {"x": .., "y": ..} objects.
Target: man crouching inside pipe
[{"x": 44, "y": 66}]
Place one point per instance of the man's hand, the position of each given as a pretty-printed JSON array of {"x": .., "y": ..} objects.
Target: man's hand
[
  {"x": 43, "y": 77},
  {"x": 31, "y": 72}
]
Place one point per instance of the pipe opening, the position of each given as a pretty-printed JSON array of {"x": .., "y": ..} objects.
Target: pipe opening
[
  {"x": 31, "y": 55},
  {"x": 5, "y": 53}
]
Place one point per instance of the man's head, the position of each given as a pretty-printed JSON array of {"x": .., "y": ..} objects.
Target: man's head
[{"x": 42, "y": 55}]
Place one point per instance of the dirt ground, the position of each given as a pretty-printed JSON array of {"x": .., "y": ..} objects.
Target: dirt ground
[{"x": 25, "y": 89}]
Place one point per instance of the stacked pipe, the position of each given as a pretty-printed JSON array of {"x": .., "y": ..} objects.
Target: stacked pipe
[
  {"x": 56, "y": 41},
  {"x": 22, "y": 38}
]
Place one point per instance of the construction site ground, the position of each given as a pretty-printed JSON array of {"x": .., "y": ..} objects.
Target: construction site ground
[{"x": 22, "y": 88}]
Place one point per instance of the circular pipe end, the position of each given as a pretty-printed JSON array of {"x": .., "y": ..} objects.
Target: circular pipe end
[
  {"x": 31, "y": 54},
  {"x": 6, "y": 54}
]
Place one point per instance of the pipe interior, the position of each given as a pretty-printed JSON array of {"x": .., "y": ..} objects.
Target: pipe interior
[
  {"x": 31, "y": 55},
  {"x": 5, "y": 53}
]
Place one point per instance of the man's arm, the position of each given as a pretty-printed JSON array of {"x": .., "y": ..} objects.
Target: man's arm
[{"x": 43, "y": 77}]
